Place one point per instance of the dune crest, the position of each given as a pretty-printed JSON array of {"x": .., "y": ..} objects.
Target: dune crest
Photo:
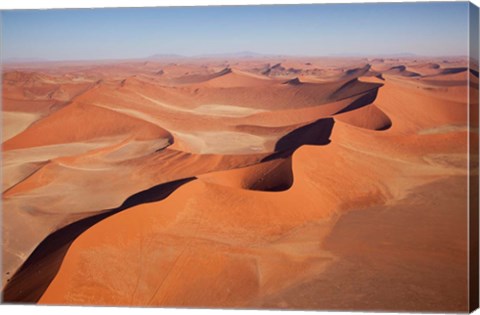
[{"x": 246, "y": 182}]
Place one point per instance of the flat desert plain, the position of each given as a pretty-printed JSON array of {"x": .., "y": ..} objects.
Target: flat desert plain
[{"x": 269, "y": 182}]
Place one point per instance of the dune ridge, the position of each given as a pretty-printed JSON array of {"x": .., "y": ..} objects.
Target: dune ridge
[{"x": 230, "y": 182}]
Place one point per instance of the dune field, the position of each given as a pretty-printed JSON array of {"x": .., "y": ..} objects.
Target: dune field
[{"x": 261, "y": 182}]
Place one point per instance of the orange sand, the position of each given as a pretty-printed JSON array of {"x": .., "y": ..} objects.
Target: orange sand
[{"x": 324, "y": 183}]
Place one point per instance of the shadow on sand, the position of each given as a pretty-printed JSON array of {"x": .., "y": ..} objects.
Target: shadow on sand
[{"x": 35, "y": 275}]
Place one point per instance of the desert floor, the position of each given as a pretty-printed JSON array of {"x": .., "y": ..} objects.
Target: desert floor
[{"x": 293, "y": 183}]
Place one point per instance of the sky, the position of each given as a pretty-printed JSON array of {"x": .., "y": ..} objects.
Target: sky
[{"x": 426, "y": 29}]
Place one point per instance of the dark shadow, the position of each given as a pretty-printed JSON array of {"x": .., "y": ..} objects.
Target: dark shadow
[
  {"x": 278, "y": 188},
  {"x": 278, "y": 155},
  {"x": 316, "y": 133},
  {"x": 474, "y": 72},
  {"x": 385, "y": 127},
  {"x": 399, "y": 68},
  {"x": 365, "y": 100},
  {"x": 295, "y": 81},
  {"x": 402, "y": 70},
  {"x": 35, "y": 275},
  {"x": 453, "y": 70},
  {"x": 358, "y": 71}
]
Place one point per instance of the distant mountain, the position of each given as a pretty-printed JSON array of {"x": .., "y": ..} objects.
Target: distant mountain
[
  {"x": 165, "y": 56},
  {"x": 356, "y": 55},
  {"x": 240, "y": 54}
]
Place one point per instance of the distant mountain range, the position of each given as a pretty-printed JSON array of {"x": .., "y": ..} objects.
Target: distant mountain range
[
  {"x": 398, "y": 55},
  {"x": 165, "y": 56},
  {"x": 240, "y": 54},
  {"x": 251, "y": 54}
]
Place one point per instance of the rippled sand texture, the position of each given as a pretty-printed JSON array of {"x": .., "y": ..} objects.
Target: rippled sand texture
[{"x": 316, "y": 183}]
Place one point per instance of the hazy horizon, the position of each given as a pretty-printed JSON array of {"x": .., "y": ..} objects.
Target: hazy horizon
[
  {"x": 240, "y": 55},
  {"x": 329, "y": 30}
]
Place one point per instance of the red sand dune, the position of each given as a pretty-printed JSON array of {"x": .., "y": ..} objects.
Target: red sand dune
[{"x": 247, "y": 183}]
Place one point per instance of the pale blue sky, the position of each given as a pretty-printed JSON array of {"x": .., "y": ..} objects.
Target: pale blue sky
[{"x": 322, "y": 29}]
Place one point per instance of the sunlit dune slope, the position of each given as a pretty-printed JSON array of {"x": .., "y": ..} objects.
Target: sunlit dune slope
[{"x": 235, "y": 184}]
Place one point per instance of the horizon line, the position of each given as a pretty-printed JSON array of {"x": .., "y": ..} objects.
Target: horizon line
[{"x": 238, "y": 55}]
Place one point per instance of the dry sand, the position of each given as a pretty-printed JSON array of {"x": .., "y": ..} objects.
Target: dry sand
[{"x": 321, "y": 183}]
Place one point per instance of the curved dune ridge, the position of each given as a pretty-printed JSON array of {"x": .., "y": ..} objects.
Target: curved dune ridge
[
  {"x": 78, "y": 117},
  {"x": 370, "y": 117},
  {"x": 230, "y": 183}
]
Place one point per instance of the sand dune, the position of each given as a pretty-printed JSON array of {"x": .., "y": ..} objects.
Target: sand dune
[
  {"x": 79, "y": 122},
  {"x": 15, "y": 122},
  {"x": 247, "y": 183},
  {"x": 228, "y": 78},
  {"x": 274, "y": 175},
  {"x": 400, "y": 70},
  {"x": 225, "y": 110},
  {"x": 220, "y": 237},
  {"x": 369, "y": 117}
]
